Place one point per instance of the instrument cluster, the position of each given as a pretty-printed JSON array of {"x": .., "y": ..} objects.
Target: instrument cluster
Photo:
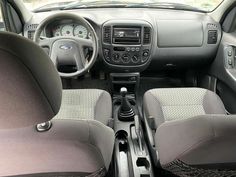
[{"x": 71, "y": 30}]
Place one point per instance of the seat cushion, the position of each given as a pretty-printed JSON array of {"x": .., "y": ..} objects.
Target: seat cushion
[
  {"x": 198, "y": 146},
  {"x": 70, "y": 146},
  {"x": 89, "y": 104},
  {"x": 169, "y": 104}
]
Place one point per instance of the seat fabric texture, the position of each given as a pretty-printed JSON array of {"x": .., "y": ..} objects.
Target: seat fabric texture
[
  {"x": 81, "y": 147},
  {"x": 198, "y": 146},
  {"x": 169, "y": 104},
  {"x": 88, "y": 104}
]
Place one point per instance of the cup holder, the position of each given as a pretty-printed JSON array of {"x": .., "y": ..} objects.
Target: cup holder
[
  {"x": 143, "y": 162},
  {"x": 121, "y": 134},
  {"x": 121, "y": 137}
]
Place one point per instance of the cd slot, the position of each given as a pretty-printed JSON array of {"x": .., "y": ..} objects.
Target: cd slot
[{"x": 126, "y": 41}]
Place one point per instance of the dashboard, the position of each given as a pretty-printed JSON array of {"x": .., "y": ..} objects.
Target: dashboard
[{"x": 131, "y": 39}]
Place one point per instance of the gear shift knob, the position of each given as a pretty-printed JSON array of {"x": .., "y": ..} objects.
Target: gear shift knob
[
  {"x": 123, "y": 91},
  {"x": 126, "y": 112}
]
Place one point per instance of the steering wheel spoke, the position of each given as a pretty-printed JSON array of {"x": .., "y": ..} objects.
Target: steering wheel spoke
[
  {"x": 82, "y": 55},
  {"x": 45, "y": 42},
  {"x": 85, "y": 42},
  {"x": 80, "y": 64}
]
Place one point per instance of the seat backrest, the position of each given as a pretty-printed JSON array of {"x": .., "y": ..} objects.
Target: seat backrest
[
  {"x": 30, "y": 89},
  {"x": 199, "y": 146},
  {"x": 30, "y": 93}
]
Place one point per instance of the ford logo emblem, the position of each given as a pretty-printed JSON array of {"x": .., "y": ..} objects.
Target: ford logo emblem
[{"x": 65, "y": 47}]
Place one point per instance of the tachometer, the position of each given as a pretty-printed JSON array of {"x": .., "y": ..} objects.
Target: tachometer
[
  {"x": 81, "y": 31},
  {"x": 67, "y": 30}
]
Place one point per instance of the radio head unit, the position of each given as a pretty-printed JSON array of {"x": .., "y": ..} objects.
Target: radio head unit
[{"x": 126, "y": 35}]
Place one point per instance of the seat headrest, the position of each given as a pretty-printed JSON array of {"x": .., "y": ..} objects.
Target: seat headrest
[{"x": 30, "y": 87}]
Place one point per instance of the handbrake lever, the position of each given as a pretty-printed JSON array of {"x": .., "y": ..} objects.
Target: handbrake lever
[{"x": 138, "y": 131}]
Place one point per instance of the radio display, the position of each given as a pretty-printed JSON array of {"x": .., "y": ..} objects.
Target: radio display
[
  {"x": 126, "y": 35},
  {"x": 127, "y": 32}
]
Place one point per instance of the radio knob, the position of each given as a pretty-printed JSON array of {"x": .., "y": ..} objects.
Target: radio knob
[{"x": 135, "y": 59}]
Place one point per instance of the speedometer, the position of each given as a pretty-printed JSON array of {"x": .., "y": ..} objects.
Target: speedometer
[
  {"x": 81, "y": 31},
  {"x": 67, "y": 30}
]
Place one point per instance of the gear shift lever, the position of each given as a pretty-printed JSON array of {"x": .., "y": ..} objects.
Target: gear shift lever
[{"x": 126, "y": 112}]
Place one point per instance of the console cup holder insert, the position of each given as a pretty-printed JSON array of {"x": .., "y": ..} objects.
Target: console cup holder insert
[
  {"x": 122, "y": 151},
  {"x": 121, "y": 136},
  {"x": 143, "y": 162}
]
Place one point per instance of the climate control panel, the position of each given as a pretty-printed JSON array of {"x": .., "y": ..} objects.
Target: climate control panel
[{"x": 129, "y": 55}]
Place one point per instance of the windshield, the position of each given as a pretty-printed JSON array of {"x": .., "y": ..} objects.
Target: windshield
[{"x": 49, "y": 5}]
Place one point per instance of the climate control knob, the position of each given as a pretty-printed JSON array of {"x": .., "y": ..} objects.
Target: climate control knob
[
  {"x": 116, "y": 57},
  {"x": 135, "y": 59},
  {"x": 126, "y": 58}
]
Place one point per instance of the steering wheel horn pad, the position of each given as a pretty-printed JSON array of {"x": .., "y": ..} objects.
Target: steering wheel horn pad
[{"x": 69, "y": 50}]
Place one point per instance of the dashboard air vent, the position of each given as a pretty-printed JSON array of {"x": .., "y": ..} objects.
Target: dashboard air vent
[
  {"x": 107, "y": 34},
  {"x": 212, "y": 37},
  {"x": 147, "y": 35},
  {"x": 32, "y": 27},
  {"x": 212, "y": 26}
]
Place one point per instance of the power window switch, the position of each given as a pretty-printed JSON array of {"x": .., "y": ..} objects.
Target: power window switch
[
  {"x": 230, "y": 53},
  {"x": 230, "y": 62}
]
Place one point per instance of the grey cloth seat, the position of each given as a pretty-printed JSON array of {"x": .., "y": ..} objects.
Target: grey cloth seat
[
  {"x": 198, "y": 146},
  {"x": 27, "y": 98},
  {"x": 192, "y": 134},
  {"x": 161, "y": 105},
  {"x": 88, "y": 104}
]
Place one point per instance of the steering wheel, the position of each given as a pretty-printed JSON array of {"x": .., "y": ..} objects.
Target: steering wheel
[{"x": 69, "y": 50}]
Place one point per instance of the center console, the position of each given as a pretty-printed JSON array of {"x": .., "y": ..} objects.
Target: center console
[
  {"x": 132, "y": 158},
  {"x": 127, "y": 44},
  {"x": 127, "y": 50}
]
